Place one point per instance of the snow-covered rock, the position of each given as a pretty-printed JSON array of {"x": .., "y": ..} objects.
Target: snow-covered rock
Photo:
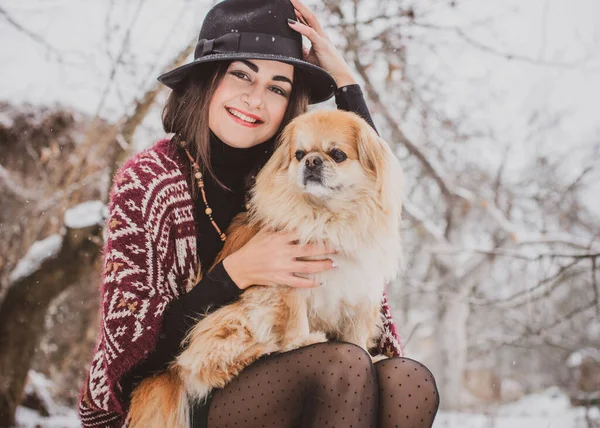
[
  {"x": 85, "y": 214},
  {"x": 37, "y": 254}
]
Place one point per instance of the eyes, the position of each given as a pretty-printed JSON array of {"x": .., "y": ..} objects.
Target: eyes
[
  {"x": 336, "y": 154},
  {"x": 243, "y": 76}
]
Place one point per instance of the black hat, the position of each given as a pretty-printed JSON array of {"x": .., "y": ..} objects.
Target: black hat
[{"x": 253, "y": 29}]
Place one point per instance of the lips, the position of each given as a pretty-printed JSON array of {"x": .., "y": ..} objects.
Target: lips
[{"x": 243, "y": 120}]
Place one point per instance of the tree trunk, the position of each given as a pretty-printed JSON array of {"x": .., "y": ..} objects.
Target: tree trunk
[
  {"x": 23, "y": 310},
  {"x": 451, "y": 339},
  {"x": 451, "y": 329}
]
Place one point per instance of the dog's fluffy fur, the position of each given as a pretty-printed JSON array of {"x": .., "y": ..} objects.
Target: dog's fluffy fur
[{"x": 353, "y": 205}]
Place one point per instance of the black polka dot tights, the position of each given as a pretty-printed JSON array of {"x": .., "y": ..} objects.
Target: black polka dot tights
[{"x": 327, "y": 385}]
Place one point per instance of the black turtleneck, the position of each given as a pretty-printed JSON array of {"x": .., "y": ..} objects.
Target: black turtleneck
[{"x": 231, "y": 166}]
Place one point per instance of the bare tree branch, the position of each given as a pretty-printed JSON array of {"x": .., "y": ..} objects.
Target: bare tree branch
[
  {"x": 118, "y": 59},
  {"x": 506, "y": 55},
  {"x": 506, "y": 252},
  {"x": 35, "y": 37},
  {"x": 595, "y": 286},
  {"x": 15, "y": 189}
]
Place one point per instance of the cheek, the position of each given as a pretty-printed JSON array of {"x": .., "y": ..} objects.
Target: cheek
[
  {"x": 224, "y": 92},
  {"x": 277, "y": 110},
  {"x": 216, "y": 104},
  {"x": 352, "y": 173},
  {"x": 212, "y": 110},
  {"x": 295, "y": 174}
]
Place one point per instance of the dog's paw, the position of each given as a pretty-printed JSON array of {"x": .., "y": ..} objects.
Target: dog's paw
[
  {"x": 377, "y": 358},
  {"x": 271, "y": 348},
  {"x": 315, "y": 337},
  {"x": 310, "y": 339}
]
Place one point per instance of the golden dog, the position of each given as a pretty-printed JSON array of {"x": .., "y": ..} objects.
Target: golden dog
[{"x": 332, "y": 180}]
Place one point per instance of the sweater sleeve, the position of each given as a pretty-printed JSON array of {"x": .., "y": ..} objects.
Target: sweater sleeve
[
  {"x": 143, "y": 271},
  {"x": 351, "y": 98},
  {"x": 123, "y": 266},
  {"x": 213, "y": 291}
]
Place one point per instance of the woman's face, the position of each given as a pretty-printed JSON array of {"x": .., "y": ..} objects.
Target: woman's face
[{"x": 248, "y": 106}]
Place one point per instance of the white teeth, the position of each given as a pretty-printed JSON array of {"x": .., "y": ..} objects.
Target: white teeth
[{"x": 241, "y": 116}]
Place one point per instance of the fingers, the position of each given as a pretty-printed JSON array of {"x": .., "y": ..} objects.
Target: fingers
[
  {"x": 299, "y": 282},
  {"x": 312, "y": 266},
  {"x": 300, "y": 17},
  {"x": 313, "y": 250},
  {"x": 306, "y": 31},
  {"x": 308, "y": 25},
  {"x": 272, "y": 258},
  {"x": 307, "y": 250},
  {"x": 309, "y": 17},
  {"x": 290, "y": 238}
]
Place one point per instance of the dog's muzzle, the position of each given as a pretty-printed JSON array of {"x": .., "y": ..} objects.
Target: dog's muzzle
[{"x": 313, "y": 170}]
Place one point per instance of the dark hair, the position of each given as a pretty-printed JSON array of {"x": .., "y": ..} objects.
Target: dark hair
[{"x": 186, "y": 112}]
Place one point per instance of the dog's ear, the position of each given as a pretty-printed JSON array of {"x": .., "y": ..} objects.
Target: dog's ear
[
  {"x": 379, "y": 162},
  {"x": 281, "y": 157},
  {"x": 371, "y": 151},
  {"x": 265, "y": 190}
]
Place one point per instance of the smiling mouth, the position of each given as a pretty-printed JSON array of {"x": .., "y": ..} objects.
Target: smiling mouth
[{"x": 242, "y": 117}]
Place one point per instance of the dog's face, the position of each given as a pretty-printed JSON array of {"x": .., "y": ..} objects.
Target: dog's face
[
  {"x": 324, "y": 157},
  {"x": 329, "y": 166},
  {"x": 330, "y": 155}
]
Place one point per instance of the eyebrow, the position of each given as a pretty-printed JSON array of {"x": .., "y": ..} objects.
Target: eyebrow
[{"x": 254, "y": 68}]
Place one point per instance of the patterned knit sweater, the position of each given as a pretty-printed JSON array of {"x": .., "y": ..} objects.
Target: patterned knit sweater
[{"x": 150, "y": 259}]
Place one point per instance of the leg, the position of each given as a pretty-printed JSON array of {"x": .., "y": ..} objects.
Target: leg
[
  {"x": 322, "y": 385},
  {"x": 297, "y": 331},
  {"x": 363, "y": 328},
  {"x": 408, "y": 396}
]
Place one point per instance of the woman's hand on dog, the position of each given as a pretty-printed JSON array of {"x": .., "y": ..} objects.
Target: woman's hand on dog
[{"x": 273, "y": 258}]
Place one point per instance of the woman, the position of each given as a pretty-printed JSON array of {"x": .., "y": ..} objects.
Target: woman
[{"x": 247, "y": 81}]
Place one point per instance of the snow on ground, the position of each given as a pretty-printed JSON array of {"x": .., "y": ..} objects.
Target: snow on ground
[
  {"x": 27, "y": 418},
  {"x": 547, "y": 409},
  {"x": 43, "y": 388}
]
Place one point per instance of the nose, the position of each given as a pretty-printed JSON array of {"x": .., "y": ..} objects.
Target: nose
[
  {"x": 253, "y": 97},
  {"x": 313, "y": 162}
]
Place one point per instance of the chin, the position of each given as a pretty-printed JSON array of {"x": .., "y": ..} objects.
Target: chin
[
  {"x": 332, "y": 179},
  {"x": 237, "y": 139}
]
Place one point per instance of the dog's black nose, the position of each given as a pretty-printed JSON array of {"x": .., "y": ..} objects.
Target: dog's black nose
[{"x": 313, "y": 162}]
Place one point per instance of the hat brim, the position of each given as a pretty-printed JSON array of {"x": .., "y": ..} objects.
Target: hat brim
[{"x": 322, "y": 85}]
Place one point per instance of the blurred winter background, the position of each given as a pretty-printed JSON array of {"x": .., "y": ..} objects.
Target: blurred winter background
[{"x": 492, "y": 108}]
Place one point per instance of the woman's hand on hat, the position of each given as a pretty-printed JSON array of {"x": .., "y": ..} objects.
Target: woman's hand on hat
[{"x": 323, "y": 52}]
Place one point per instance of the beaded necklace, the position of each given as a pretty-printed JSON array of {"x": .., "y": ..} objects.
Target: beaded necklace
[{"x": 200, "y": 182}]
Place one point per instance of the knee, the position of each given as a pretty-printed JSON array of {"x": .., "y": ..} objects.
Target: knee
[
  {"x": 347, "y": 357},
  {"x": 407, "y": 367},
  {"x": 345, "y": 362},
  {"x": 411, "y": 372}
]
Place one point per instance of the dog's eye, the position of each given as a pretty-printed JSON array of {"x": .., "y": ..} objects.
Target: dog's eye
[
  {"x": 338, "y": 155},
  {"x": 300, "y": 154}
]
